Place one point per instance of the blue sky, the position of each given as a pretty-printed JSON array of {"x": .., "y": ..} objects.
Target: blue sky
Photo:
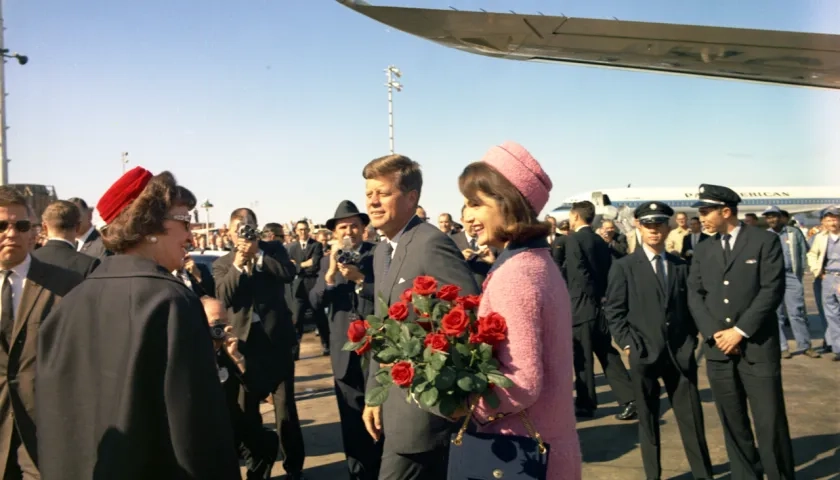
[{"x": 280, "y": 103}]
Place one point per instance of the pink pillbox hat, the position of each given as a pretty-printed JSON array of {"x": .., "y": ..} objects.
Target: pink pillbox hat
[{"x": 521, "y": 169}]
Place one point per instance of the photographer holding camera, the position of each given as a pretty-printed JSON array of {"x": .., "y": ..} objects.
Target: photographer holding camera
[
  {"x": 250, "y": 281},
  {"x": 241, "y": 370},
  {"x": 345, "y": 287}
]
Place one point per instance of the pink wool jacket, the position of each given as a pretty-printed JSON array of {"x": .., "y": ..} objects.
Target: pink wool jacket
[{"x": 529, "y": 292}]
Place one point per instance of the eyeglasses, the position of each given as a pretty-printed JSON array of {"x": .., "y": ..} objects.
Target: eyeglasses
[
  {"x": 185, "y": 219},
  {"x": 21, "y": 226}
]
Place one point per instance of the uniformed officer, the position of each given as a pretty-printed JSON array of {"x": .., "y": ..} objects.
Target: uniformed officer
[
  {"x": 824, "y": 263},
  {"x": 736, "y": 282},
  {"x": 648, "y": 315}
]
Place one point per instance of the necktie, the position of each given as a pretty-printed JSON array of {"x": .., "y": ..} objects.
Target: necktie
[
  {"x": 7, "y": 315},
  {"x": 660, "y": 272},
  {"x": 727, "y": 248},
  {"x": 473, "y": 244},
  {"x": 389, "y": 250}
]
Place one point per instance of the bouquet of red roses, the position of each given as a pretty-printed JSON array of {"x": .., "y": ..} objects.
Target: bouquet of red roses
[{"x": 432, "y": 344}]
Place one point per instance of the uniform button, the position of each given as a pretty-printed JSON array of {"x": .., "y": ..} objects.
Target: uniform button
[
  {"x": 728, "y": 320},
  {"x": 667, "y": 324},
  {"x": 726, "y": 282},
  {"x": 725, "y": 300},
  {"x": 491, "y": 417}
]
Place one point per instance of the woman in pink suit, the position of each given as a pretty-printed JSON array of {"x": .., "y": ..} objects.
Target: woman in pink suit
[{"x": 503, "y": 194}]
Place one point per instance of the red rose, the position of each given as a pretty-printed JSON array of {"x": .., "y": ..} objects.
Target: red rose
[
  {"x": 437, "y": 341},
  {"x": 424, "y": 285},
  {"x": 406, "y": 296},
  {"x": 469, "y": 302},
  {"x": 357, "y": 330},
  {"x": 402, "y": 373},
  {"x": 492, "y": 329},
  {"x": 398, "y": 311},
  {"x": 448, "y": 292},
  {"x": 364, "y": 348},
  {"x": 455, "y": 322}
]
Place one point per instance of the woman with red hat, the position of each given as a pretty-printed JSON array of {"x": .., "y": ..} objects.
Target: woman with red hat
[
  {"x": 127, "y": 385},
  {"x": 503, "y": 194}
]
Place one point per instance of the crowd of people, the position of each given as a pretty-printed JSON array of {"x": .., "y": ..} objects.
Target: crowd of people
[{"x": 123, "y": 358}]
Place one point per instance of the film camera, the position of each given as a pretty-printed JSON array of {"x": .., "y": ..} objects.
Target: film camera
[
  {"x": 248, "y": 232},
  {"x": 217, "y": 331},
  {"x": 346, "y": 254}
]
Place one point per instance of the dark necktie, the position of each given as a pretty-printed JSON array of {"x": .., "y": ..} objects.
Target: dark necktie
[
  {"x": 7, "y": 315},
  {"x": 473, "y": 244},
  {"x": 660, "y": 272},
  {"x": 389, "y": 250},
  {"x": 727, "y": 248}
]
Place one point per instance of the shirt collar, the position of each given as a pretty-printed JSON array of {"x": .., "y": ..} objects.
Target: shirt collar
[
  {"x": 515, "y": 249},
  {"x": 87, "y": 234},
  {"x": 650, "y": 253},
  {"x": 22, "y": 269}
]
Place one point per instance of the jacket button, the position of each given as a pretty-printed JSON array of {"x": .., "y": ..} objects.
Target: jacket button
[
  {"x": 726, "y": 282},
  {"x": 728, "y": 320},
  {"x": 725, "y": 300}
]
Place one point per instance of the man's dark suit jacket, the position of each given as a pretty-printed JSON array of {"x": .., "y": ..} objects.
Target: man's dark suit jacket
[
  {"x": 306, "y": 277},
  {"x": 62, "y": 254},
  {"x": 261, "y": 291},
  {"x": 422, "y": 249},
  {"x": 255, "y": 380},
  {"x": 588, "y": 261},
  {"x": 644, "y": 317},
  {"x": 478, "y": 267},
  {"x": 686, "y": 246},
  {"x": 743, "y": 292},
  {"x": 94, "y": 247},
  {"x": 558, "y": 252},
  {"x": 343, "y": 302}
]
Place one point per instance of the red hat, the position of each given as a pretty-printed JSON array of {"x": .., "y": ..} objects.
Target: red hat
[{"x": 122, "y": 193}]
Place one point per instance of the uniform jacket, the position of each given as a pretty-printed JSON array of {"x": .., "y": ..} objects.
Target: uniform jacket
[
  {"x": 44, "y": 288},
  {"x": 127, "y": 383},
  {"x": 744, "y": 292}
]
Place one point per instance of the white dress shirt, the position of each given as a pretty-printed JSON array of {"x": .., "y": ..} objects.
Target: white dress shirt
[{"x": 80, "y": 242}]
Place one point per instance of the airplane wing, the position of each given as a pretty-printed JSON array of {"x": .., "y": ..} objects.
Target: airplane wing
[{"x": 766, "y": 56}]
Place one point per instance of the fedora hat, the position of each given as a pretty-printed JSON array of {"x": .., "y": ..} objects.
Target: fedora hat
[{"x": 347, "y": 209}]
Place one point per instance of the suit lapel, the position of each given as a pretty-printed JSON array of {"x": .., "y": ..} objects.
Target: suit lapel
[
  {"x": 32, "y": 291},
  {"x": 399, "y": 257},
  {"x": 717, "y": 248},
  {"x": 738, "y": 247}
]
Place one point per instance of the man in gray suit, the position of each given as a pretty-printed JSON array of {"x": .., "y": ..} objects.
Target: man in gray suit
[{"x": 416, "y": 441}]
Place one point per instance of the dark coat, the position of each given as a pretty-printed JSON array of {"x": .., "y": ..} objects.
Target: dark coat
[
  {"x": 479, "y": 268},
  {"x": 588, "y": 261},
  {"x": 743, "y": 293},
  {"x": 127, "y": 382},
  {"x": 94, "y": 247},
  {"x": 342, "y": 301},
  {"x": 646, "y": 319},
  {"x": 62, "y": 254},
  {"x": 45, "y": 286},
  {"x": 306, "y": 276}
]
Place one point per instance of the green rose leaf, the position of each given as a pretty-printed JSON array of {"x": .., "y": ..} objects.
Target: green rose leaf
[
  {"x": 431, "y": 373},
  {"x": 438, "y": 361},
  {"x": 383, "y": 305},
  {"x": 446, "y": 378},
  {"x": 486, "y": 352},
  {"x": 412, "y": 347},
  {"x": 375, "y": 322},
  {"x": 441, "y": 309},
  {"x": 499, "y": 380},
  {"x": 416, "y": 330},
  {"x": 420, "y": 386},
  {"x": 448, "y": 405},
  {"x": 428, "y": 353},
  {"x": 392, "y": 330},
  {"x": 376, "y": 396},
  {"x": 421, "y": 303},
  {"x": 388, "y": 355},
  {"x": 492, "y": 399},
  {"x": 480, "y": 382},
  {"x": 430, "y": 397},
  {"x": 383, "y": 376},
  {"x": 466, "y": 382},
  {"x": 350, "y": 346}
]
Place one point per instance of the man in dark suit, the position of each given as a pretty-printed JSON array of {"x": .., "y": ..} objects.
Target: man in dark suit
[
  {"x": 248, "y": 282},
  {"x": 88, "y": 239},
  {"x": 346, "y": 287},
  {"x": 558, "y": 247},
  {"x": 60, "y": 221},
  {"x": 737, "y": 281},
  {"x": 306, "y": 254},
  {"x": 588, "y": 261},
  {"x": 647, "y": 311},
  {"x": 416, "y": 441},
  {"x": 30, "y": 290},
  {"x": 692, "y": 239},
  {"x": 479, "y": 259}
]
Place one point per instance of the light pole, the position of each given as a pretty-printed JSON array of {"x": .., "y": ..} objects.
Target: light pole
[
  {"x": 124, "y": 160},
  {"x": 207, "y": 206},
  {"x": 391, "y": 72},
  {"x": 21, "y": 59}
]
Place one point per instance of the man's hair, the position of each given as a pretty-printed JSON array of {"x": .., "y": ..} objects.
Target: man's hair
[
  {"x": 62, "y": 215},
  {"x": 409, "y": 175},
  {"x": 244, "y": 215},
  {"x": 682, "y": 214},
  {"x": 11, "y": 196},
  {"x": 606, "y": 221},
  {"x": 586, "y": 211},
  {"x": 274, "y": 228},
  {"x": 447, "y": 215},
  {"x": 79, "y": 202},
  {"x": 304, "y": 222},
  {"x": 695, "y": 218}
]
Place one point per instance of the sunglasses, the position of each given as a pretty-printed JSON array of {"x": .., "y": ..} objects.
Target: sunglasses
[
  {"x": 185, "y": 219},
  {"x": 21, "y": 226}
]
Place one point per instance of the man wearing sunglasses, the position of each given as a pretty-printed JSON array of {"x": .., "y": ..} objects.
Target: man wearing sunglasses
[{"x": 30, "y": 289}]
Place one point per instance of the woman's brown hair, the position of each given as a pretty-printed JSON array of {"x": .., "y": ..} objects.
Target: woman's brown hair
[
  {"x": 520, "y": 220},
  {"x": 145, "y": 215}
]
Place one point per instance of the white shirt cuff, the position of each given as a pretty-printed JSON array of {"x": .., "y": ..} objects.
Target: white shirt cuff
[{"x": 741, "y": 332}]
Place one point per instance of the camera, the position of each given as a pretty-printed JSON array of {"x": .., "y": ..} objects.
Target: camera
[
  {"x": 217, "y": 331},
  {"x": 346, "y": 254},
  {"x": 248, "y": 232}
]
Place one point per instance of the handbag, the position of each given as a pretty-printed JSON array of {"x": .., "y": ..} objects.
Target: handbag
[{"x": 491, "y": 456}]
